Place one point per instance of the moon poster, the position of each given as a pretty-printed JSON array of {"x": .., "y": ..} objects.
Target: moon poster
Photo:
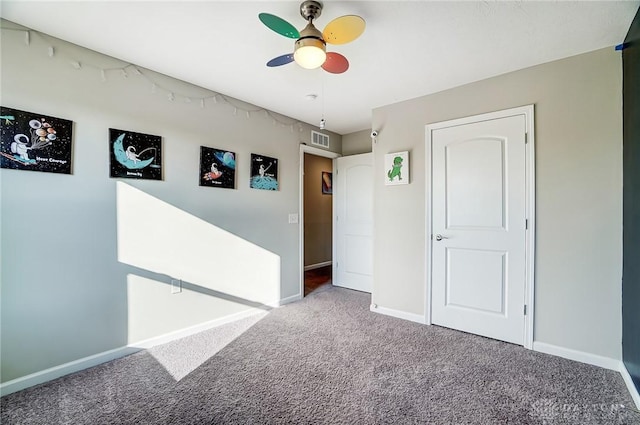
[
  {"x": 264, "y": 172},
  {"x": 135, "y": 155},
  {"x": 35, "y": 142},
  {"x": 217, "y": 168}
]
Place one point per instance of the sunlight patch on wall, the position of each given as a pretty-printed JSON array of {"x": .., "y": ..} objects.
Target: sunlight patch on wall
[
  {"x": 153, "y": 311},
  {"x": 156, "y": 236},
  {"x": 155, "y": 316}
]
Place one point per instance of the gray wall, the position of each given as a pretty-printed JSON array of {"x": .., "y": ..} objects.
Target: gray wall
[
  {"x": 631, "y": 201},
  {"x": 356, "y": 143},
  {"x": 578, "y": 194},
  {"x": 317, "y": 211},
  {"x": 86, "y": 259}
]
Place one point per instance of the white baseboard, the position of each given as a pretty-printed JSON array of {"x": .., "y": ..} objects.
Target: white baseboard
[
  {"x": 293, "y": 298},
  {"x": 635, "y": 395},
  {"x": 317, "y": 265},
  {"x": 191, "y": 330},
  {"x": 96, "y": 359},
  {"x": 579, "y": 356},
  {"x": 592, "y": 359},
  {"x": 397, "y": 314},
  {"x": 64, "y": 369}
]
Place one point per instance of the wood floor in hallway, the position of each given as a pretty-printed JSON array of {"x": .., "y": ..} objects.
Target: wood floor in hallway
[{"x": 315, "y": 278}]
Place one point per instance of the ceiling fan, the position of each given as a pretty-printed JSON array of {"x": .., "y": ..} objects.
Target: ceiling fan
[{"x": 310, "y": 46}]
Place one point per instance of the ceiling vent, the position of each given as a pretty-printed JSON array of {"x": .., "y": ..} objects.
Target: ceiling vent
[{"x": 319, "y": 139}]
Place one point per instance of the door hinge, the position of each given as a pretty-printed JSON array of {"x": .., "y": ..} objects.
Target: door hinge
[
  {"x": 525, "y": 309},
  {"x": 526, "y": 223},
  {"x": 526, "y": 138}
]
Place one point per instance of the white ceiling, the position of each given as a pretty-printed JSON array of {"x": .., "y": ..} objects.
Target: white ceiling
[{"x": 409, "y": 48}]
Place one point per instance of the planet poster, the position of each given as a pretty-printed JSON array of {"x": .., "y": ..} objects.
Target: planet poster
[
  {"x": 217, "y": 168},
  {"x": 264, "y": 172},
  {"x": 135, "y": 155},
  {"x": 35, "y": 142}
]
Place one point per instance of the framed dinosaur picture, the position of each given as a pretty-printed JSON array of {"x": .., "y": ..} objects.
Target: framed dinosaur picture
[{"x": 396, "y": 168}]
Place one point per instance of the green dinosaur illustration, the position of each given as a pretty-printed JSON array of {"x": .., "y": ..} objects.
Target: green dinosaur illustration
[{"x": 395, "y": 169}]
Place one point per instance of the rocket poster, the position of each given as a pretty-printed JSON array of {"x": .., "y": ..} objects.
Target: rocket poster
[{"x": 217, "y": 168}]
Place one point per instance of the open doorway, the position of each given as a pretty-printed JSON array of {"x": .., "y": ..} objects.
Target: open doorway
[
  {"x": 318, "y": 226},
  {"x": 316, "y": 218}
]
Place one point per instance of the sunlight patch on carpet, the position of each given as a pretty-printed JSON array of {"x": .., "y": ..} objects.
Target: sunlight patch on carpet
[{"x": 183, "y": 356}]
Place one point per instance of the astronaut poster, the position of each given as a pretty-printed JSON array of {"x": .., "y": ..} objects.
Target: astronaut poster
[
  {"x": 35, "y": 142},
  {"x": 217, "y": 168},
  {"x": 135, "y": 155},
  {"x": 264, "y": 172}
]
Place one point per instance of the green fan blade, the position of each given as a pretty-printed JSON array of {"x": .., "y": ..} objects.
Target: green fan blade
[{"x": 279, "y": 25}]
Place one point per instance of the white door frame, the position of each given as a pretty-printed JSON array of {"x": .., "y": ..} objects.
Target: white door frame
[
  {"x": 528, "y": 112},
  {"x": 318, "y": 152}
]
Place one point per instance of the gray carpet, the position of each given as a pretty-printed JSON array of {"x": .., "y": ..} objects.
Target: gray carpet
[{"x": 328, "y": 360}]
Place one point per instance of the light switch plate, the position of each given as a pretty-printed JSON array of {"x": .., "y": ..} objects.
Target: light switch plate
[{"x": 293, "y": 218}]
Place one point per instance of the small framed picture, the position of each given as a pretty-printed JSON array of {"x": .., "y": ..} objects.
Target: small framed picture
[
  {"x": 217, "y": 168},
  {"x": 396, "y": 168},
  {"x": 264, "y": 172},
  {"x": 327, "y": 183},
  {"x": 135, "y": 155}
]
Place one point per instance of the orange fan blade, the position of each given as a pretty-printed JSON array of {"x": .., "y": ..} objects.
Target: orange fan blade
[
  {"x": 343, "y": 29},
  {"x": 335, "y": 63}
]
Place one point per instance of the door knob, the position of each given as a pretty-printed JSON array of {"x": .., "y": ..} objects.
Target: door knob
[{"x": 440, "y": 237}]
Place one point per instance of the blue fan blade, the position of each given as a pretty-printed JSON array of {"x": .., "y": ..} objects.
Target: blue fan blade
[{"x": 281, "y": 60}]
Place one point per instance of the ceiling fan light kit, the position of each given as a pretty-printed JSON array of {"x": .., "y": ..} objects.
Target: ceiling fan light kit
[{"x": 310, "y": 46}]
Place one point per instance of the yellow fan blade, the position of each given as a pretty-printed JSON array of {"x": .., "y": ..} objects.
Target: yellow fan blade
[{"x": 343, "y": 29}]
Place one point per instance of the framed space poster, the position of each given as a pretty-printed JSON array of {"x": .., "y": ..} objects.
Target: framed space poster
[
  {"x": 217, "y": 168},
  {"x": 264, "y": 172},
  {"x": 396, "y": 166},
  {"x": 135, "y": 155},
  {"x": 35, "y": 142}
]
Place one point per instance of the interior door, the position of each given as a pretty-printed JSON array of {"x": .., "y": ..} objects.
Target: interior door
[
  {"x": 353, "y": 235},
  {"x": 478, "y": 225}
]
